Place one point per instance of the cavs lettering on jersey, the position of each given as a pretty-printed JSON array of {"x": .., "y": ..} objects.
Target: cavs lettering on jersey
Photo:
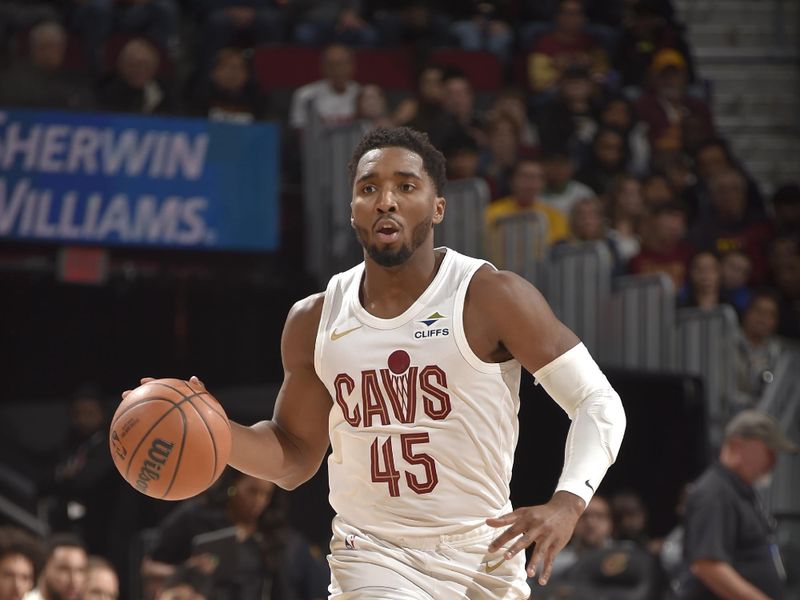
[{"x": 423, "y": 432}]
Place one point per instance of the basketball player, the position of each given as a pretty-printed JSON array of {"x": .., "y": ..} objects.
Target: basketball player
[{"x": 409, "y": 366}]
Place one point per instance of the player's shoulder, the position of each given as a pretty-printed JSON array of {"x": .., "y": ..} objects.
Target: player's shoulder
[
  {"x": 497, "y": 290},
  {"x": 307, "y": 312}
]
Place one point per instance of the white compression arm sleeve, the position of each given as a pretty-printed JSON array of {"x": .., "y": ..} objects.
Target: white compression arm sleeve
[{"x": 578, "y": 386}]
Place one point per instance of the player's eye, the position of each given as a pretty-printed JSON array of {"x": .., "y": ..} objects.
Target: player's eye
[
  {"x": 368, "y": 189},
  {"x": 408, "y": 187}
]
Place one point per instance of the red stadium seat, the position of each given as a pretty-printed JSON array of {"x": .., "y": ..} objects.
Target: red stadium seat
[
  {"x": 287, "y": 66},
  {"x": 389, "y": 68},
  {"x": 482, "y": 68}
]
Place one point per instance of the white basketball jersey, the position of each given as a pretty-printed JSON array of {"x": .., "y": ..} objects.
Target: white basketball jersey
[{"x": 423, "y": 432}]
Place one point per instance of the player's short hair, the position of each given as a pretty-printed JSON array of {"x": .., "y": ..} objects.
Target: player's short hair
[
  {"x": 402, "y": 137},
  {"x": 14, "y": 541}
]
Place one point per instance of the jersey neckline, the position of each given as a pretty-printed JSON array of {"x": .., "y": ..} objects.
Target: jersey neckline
[{"x": 367, "y": 318}]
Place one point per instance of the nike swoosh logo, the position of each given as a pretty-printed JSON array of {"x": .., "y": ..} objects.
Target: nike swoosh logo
[
  {"x": 490, "y": 568},
  {"x": 335, "y": 335},
  {"x": 589, "y": 485}
]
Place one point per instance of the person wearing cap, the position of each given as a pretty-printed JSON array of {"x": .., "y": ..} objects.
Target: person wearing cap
[
  {"x": 667, "y": 108},
  {"x": 729, "y": 546}
]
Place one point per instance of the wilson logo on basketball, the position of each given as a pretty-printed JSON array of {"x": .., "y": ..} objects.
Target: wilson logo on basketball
[{"x": 156, "y": 458}]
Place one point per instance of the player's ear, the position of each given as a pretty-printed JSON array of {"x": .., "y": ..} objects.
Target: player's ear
[{"x": 438, "y": 209}]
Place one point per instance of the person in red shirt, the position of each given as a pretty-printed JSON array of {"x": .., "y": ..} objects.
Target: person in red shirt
[
  {"x": 567, "y": 47},
  {"x": 663, "y": 247}
]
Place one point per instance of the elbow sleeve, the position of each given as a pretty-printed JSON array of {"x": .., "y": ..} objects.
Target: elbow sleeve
[{"x": 579, "y": 387}]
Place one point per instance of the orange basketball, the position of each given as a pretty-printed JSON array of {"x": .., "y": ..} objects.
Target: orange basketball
[{"x": 170, "y": 439}]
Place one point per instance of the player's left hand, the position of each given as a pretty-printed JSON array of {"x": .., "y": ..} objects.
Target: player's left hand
[{"x": 548, "y": 526}]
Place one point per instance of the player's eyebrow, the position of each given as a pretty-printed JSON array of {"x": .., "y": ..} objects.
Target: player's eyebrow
[{"x": 407, "y": 174}]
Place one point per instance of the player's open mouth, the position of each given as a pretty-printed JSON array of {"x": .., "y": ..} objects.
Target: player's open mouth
[{"x": 387, "y": 231}]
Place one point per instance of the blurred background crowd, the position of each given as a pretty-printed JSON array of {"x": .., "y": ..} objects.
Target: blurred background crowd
[{"x": 592, "y": 115}]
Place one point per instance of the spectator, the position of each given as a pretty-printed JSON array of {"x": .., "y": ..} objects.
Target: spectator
[
  {"x": 424, "y": 109},
  {"x": 321, "y": 22},
  {"x": 411, "y": 23},
  {"x": 155, "y": 20},
  {"x": 16, "y": 17},
  {"x": 500, "y": 154},
  {"x": 646, "y": 32},
  {"x": 567, "y": 47},
  {"x": 758, "y": 349},
  {"x": 607, "y": 161},
  {"x": 332, "y": 99},
  {"x": 786, "y": 202},
  {"x": 267, "y": 557},
  {"x": 703, "y": 288},
  {"x": 666, "y": 104},
  {"x": 787, "y": 279},
  {"x": 527, "y": 182},
  {"x": 587, "y": 223},
  {"x": 663, "y": 247},
  {"x": 626, "y": 208},
  {"x": 372, "y": 106},
  {"x": 618, "y": 113},
  {"x": 462, "y": 157},
  {"x": 630, "y": 518},
  {"x": 41, "y": 80},
  {"x": 229, "y": 93},
  {"x": 592, "y": 532},
  {"x": 64, "y": 574},
  {"x": 101, "y": 580},
  {"x": 134, "y": 87},
  {"x": 483, "y": 26},
  {"x": 735, "y": 269},
  {"x": 656, "y": 191},
  {"x": 568, "y": 120},
  {"x": 710, "y": 159},
  {"x": 20, "y": 563},
  {"x": 729, "y": 546},
  {"x": 511, "y": 102},
  {"x": 561, "y": 191},
  {"x": 459, "y": 103},
  {"x": 84, "y": 482},
  {"x": 731, "y": 226},
  {"x": 237, "y": 22}
]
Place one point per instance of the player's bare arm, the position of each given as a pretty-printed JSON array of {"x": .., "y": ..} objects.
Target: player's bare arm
[
  {"x": 505, "y": 317},
  {"x": 289, "y": 448}
]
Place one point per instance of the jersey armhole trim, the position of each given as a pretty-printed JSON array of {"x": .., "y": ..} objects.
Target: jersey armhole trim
[
  {"x": 460, "y": 333},
  {"x": 327, "y": 303}
]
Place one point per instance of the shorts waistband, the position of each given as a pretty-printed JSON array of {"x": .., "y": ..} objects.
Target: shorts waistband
[{"x": 477, "y": 534}]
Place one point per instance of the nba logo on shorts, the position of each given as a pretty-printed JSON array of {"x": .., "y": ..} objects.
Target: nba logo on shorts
[{"x": 350, "y": 541}]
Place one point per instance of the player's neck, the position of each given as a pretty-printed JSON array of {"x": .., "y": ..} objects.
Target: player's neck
[{"x": 388, "y": 292}]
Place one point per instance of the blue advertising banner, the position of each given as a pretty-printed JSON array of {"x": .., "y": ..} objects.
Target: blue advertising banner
[{"x": 112, "y": 179}]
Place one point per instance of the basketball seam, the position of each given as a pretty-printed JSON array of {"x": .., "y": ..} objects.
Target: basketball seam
[
  {"x": 138, "y": 403},
  {"x": 147, "y": 433},
  {"x": 211, "y": 406},
  {"x": 211, "y": 435},
  {"x": 180, "y": 452}
]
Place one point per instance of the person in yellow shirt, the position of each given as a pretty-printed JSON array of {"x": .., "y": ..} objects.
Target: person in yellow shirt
[{"x": 527, "y": 183}]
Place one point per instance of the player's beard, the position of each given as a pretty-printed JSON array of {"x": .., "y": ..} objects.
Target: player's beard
[{"x": 387, "y": 257}]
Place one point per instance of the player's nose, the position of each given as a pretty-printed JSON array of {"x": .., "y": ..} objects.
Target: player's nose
[{"x": 386, "y": 201}]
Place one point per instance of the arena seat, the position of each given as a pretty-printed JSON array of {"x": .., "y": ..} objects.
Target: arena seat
[
  {"x": 286, "y": 66},
  {"x": 389, "y": 68}
]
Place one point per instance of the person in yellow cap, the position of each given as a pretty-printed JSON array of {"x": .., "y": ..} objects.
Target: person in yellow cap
[{"x": 667, "y": 108}]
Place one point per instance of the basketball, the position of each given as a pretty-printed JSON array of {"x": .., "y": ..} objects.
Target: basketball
[{"x": 170, "y": 439}]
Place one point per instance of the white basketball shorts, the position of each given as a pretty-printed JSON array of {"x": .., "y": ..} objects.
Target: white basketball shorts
[{"x": 364, "y": 567}]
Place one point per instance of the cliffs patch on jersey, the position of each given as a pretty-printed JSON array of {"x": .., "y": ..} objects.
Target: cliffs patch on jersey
[{"x": 433, "y": 327}]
